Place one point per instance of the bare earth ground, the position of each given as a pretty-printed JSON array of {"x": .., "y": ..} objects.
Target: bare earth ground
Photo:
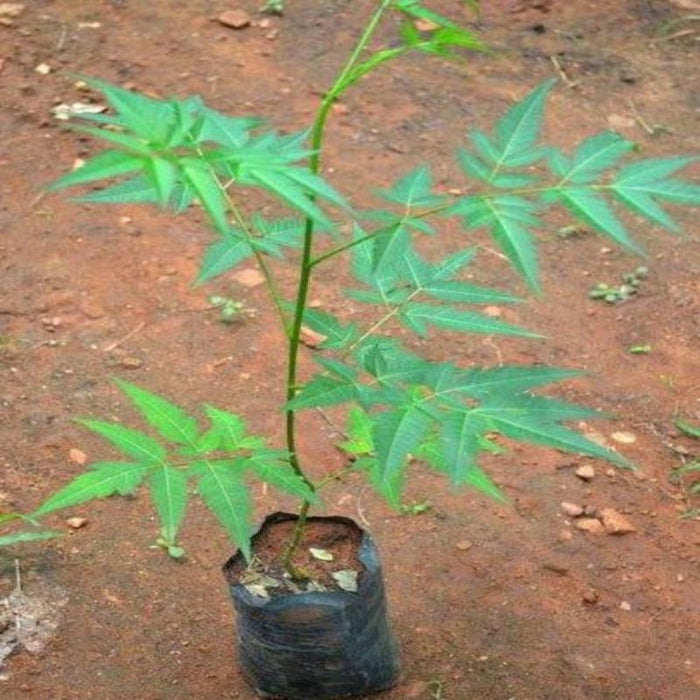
[{"x": 534, "y": 609}]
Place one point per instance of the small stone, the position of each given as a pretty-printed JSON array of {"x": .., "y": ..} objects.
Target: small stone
[
  {"x": 130, "y": 362},
  {"x": 311, "y": 338},
  {"x": 425, "y": 25},
  {"x": 315, "y": 304},
  {"x": 590, "y": 596},
  {"x": 615, "y": 523},
  {"x": 76, "y": 523},
  {"x": 11, "y": 9},
  {"x": 591, "y": 525},
  {"x": 77, "y": 456},
  {"x": 464, "y": 545},
  {"x": 565, "y": 535},
  {"x": 236, "y": 19},
  {"x": 43, "y": 69},
  {"x": 249, "y": 277},
  {"x": 618, "y": 121},
  {"x": 91, "y": 311},
  {"x": 493, "y": 311},
  {"x": 680, "y": 578},
  {"x": 571, "y": 509},
  {"x": 624, "y": 437},
  {"x": 585, "y": 472},
  {"x": 624, "y": 605}
]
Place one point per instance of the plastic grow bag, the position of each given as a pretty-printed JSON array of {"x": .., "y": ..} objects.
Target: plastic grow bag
[{"x": 309, "y": 646}]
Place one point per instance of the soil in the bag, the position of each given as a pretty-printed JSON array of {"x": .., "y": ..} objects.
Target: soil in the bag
[{"x": 337, "y": 539}]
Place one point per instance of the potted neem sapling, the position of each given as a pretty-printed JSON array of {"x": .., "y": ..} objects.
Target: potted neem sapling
[{"x": 307, "y": 589}]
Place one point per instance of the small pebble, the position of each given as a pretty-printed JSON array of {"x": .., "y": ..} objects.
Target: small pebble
[
  {"x": 615, "y": 523},
  {"x": 585, "y": 472},
  {"x": 624, "y": 605},
  {"x": 130, "y": 362},
  {"x": 77, "y": 456},
  {"x": 590, "y": 596},
  {"x": 624, "y": 437},
  {"x": 236, "y": 19},
  {"x": 590, "y": 525},
  {"x": 571, "y": 509},
  {"x": 76, "y": 523},
  {"x": 464, "y": 545}
]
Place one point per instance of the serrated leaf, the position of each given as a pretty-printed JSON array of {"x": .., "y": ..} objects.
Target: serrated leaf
[
  {"x": 518, "y": 129},
  {"x": 648, "y": 170},
  {"x": 134, "y": 443},
  {"x": 414, "y": 190},
  {"x": 135, "y": 191},
  {"x": 226, "y": 495},
  {"x": 223, "y": 255},
  {"x": 359, "y": 431},
  {"x": 528, "y": 429},
  {"x": 337, "y": 334},
  {"x": 102, "y": 166},
  {"x": 463, "y": 321},
  {"x": 227, "y": 432},
  {"x": 102, "y": 480},
  {"x": 463, "y": 293},
  {"x": 323, "y": 390},
  {"x": 168, "y": 488},
  {"x": 126, "y": 141},
  {"x": 459, "y": 435},
  {"x": 641, "y": 203},
  {"x": 232, "y": 132},
  {"x": 688, "y": 428},
  {"x": 495, "y": 381},
  {"x": 396, "y": 433},
  {"x": 150, "y": 119},
  {"x": 595, "y": 155},
  {"x": 206, "y": 187},
  {"x": 595, "y": 211},
  {"x": 163, "y": 174},
  {"x": 21, "y": 537},
  {"x": 539, "y": 408},
  {"x": 280, "y": 474},
  {"x": 167, "y": 418}
]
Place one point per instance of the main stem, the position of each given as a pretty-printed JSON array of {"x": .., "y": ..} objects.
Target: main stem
[{"x": 306, "y": 267}]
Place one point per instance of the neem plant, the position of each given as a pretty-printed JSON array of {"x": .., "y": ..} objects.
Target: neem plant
[{"x": 179, "y": 152}]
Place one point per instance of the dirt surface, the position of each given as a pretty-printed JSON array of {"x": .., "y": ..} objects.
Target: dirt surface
[
  {"x": 489, "y": 601},
  {"x": 326, "y": 546}
]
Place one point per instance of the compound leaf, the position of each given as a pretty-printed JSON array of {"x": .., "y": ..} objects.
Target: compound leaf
[
  {"x": 102, "y": 166},
  {"x": 134, "y": 443},
  {"x": 223, "y": 255}
]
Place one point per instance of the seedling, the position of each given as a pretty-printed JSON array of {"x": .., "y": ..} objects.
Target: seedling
[
  {"x": 175, "y": 152},
  {"x": 229, "y": 310},
  {"x": 687, "y": 475},
  {"x": 273, "y": 7}
]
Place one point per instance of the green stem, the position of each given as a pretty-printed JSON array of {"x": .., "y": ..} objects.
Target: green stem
[{"x": 317, "y": 134}]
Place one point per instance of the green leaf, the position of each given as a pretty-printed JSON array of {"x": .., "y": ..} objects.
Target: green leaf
[
  {"x": 484, "y": 383},
  {"x": 506, "y": 217},
  {"x": 527, "y": 429},
  {"x": 595, "y": 155},
  {"x": 167, "y": 418},
  {"x": 595, "y": 211},
  {"x": 150, "y": 119},
  {"x": 359, "y": 432},
  {"x": 688, "y": 428},
  {"x": 337, "y": 335},
  {"x": 21, "y": 537},
  {"x": 396, "y": 433},
  {"x": 132, "y": 442},
  {"x": 127, "y": 142},
  {"x": 459, "y": 435},
  {"x": 223, "y": 490},
  {"x": 135, "y": 191},
  {"x": 164, "y": 175},
  {"x": 169, "y": 493},
  {"x": 102, "y": 166},
  {"x": 323, "y": 390},
  {"x": 518, "y": 129},
  {"x": 652, "y": 170},
  {"x": 102, "y": 480},
  {"x": 538, "y": 408},
  {"x": 640, "y": 202},
  {"x": 460, "y": 292},
  {"x": 206, "y": 187},
  {"x": 279, "y": 473},
  {"x": 414, "y": 190},
  {"x": 458, "y": 320},
  {"x": 223, "y": 255},
  {"x": 231, "y": 132},
  {"x": 227, "y": 432}
]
